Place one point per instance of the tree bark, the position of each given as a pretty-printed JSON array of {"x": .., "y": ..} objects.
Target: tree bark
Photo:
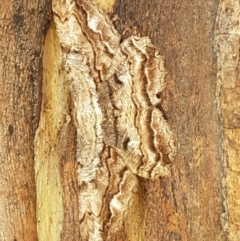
[
  {"x": 199, "y": 201},
  {"x": 189, "y": 206},
  {"x": 22, "y": 30}
]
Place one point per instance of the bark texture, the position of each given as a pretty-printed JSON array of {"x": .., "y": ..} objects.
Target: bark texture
[
  {"x": 115, "y": 106},
  {"x": 22, "y": 29},
  {"x": 200, "y": 201},
  {"x": 190, "y": 205},
  {"x": 227, "y": 46}
]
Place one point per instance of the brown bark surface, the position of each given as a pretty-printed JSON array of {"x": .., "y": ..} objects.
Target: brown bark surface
[
  {"x": 189, "y": 205},
  {"x": 199, "y": 202},
  {"x": 70, "y": 230},
  {"x": 22, "y": 29}
]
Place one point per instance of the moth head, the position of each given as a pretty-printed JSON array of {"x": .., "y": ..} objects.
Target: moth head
[{"x": 63, "y": 8}]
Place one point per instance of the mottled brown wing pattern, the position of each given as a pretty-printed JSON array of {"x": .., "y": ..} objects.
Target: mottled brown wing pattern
[
  {"x": 121, "y": 132},
  {"x": 133, "y": 125}
]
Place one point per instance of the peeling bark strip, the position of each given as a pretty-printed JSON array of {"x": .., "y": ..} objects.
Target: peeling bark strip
[{"x": 120, "y": 129}]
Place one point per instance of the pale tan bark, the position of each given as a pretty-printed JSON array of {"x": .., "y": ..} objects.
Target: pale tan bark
[{"x": 227, "y": 36}]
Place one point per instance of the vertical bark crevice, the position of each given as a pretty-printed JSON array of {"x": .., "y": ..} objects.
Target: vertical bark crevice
[{"x": 49, "y": 141}]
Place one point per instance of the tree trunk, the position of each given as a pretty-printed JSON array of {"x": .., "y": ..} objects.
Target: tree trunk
[
  {"x": 190, "y": 206},
  {"x": 39, "y": 197},
  {"x": 23, "y": 27}
]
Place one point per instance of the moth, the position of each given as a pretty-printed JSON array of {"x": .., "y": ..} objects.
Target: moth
[{"x": 121, "y": 132}]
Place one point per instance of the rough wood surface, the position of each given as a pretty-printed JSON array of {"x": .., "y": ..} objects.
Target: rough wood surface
[
  {"x": 227, "y": 46},
  {"x": 192, "y": 205},
  {"x": 121, "y": 132},
  {"x": 23, "y": 25},
  {"x": 199, "y": 201}
]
